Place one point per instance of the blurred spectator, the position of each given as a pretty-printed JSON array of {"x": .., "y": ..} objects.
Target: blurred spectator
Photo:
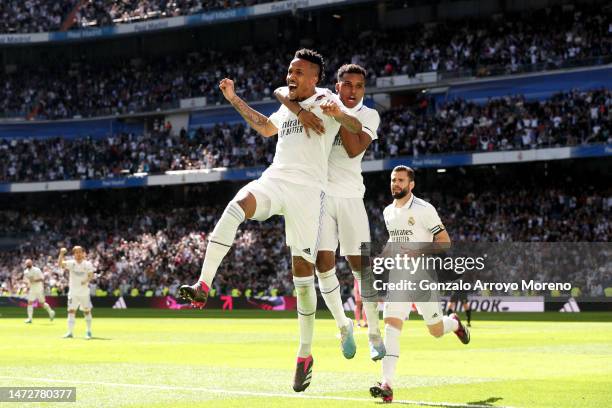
[{"x": 510, "y": 123}]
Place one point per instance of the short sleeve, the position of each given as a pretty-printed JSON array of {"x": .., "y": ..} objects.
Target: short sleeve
[
  {"x": 432, "y": 221},
  {"x": 277, "y": 117},
  {"x": 370, "y": 122},
  {"x": 69, "y": 265}
]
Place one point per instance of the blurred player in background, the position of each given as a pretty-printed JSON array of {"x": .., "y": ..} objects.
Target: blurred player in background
[
  {"x": 411, "y": 219},
  {"x": 81, "y": 273},
  {"x": 459, "y": 299},
  {"x": 34, "y": 278},
  {"x": 345, "y": 219},
  {"x": 293, "y": 186}
]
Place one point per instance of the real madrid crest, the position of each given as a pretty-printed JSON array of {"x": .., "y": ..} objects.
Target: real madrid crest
[{"x": 411, "y": 221}]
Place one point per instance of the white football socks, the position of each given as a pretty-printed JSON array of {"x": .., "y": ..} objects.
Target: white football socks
[
  {"x": 370, "y": 306},
  {"x": 330, "y": 290},
  {"x": 30, "y": 311},
  {"x": 88, "y": 319},
  {"x": 306, "y": 308},
  {"x": 450, "y": 324},
  {"x": 392, "y": 345},
  {"x": 71, "y": 320},
  {"x": 221, "y": 240}
]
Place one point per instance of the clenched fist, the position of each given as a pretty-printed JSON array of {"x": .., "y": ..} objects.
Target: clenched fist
[{"x": 227, "y": 87}]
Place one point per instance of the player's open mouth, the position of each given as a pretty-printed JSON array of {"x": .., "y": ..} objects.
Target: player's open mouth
[{"x": 292, "y": 87}]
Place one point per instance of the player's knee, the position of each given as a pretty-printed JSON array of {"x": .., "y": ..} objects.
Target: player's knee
[
  {"x": 394, "y": 322},
  {"x": 436, "y": 330},
  {"x": 71, "y": 312},
  {"x": 301, "y": 267},
  {"x": 354, "y": 262},
  {"x": 326, "y": 261},
  {"x": 248, "y": 203}
]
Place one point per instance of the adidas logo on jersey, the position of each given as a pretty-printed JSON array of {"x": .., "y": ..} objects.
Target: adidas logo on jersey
[{"x": 307, "y": 251}]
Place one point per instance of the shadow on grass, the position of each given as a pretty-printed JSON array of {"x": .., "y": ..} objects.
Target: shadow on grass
[{"x": 489, "y": 401}]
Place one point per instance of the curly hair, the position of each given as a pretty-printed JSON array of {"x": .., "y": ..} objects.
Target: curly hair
[{"x": 315, "y": 58}]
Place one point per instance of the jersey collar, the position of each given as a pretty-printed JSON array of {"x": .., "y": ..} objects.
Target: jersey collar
[{"x": 319, "y": 94}]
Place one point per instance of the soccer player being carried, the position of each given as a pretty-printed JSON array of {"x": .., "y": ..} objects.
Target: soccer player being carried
[
  {"x": 81, "y": 273},
  {"x": 411, "y": 219},
  {"x": 291, "y": 186},
  {"x": 36, "y": 290},
  {"x": 345, "y": 219}
]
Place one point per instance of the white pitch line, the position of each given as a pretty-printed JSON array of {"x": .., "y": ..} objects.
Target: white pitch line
[{"x": 252, "y": 393}]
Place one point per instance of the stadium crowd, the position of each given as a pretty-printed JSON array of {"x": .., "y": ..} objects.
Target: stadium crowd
[
  {"x": 567, "y": 119},
  {"x": 99, "y": 13},
  {"x": 68, "y": 88},
  {"x": 34, "y": 16},
  {"x": 158, "y": 249}
]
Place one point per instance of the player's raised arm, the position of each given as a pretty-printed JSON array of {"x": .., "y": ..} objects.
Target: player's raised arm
[
  {"x": 60, "y": 259},
  {"x": 351, "y": 123},
  {"x": 256, "y": 120},
  {"x": 309, "y": 120}
]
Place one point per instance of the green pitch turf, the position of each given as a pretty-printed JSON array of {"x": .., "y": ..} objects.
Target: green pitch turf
[{"x": 171, "y": 359}]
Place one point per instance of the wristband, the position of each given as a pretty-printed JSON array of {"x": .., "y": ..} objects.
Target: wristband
[{"x": 300, "y": 111}]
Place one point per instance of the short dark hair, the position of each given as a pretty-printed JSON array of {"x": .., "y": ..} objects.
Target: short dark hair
[
  {"x": 315, "y": 58},
  {"x": 407, "y": 169},
  {"x": 351, "y": 69}
]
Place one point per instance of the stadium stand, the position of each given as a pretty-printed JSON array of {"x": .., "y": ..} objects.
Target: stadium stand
[
  {"x": 567, "y": 119},
  {"x": 154, "y": 243},
  {"x": 74, "y": 87}
]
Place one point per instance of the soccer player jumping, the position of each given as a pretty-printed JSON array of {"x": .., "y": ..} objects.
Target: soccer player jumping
[
  {"x": 411, "y": 219},
  {"x": 345, "y": 219},
  {"x": 292, "y": 186}
]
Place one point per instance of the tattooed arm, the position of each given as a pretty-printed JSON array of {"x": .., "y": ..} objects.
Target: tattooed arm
[{"x": 256, "y": 120}]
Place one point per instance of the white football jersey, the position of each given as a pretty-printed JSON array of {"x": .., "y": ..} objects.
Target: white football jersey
[
  {"x": 344, "y": 174},
  {"x": 416, "y": 221},
  {"x": 298, "y": 158},
  {"x": 31, "y": 274},
  {"x": 78, "y": 273}
]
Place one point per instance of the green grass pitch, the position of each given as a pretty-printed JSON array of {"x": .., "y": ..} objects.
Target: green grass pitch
[{"x": 179, "y": 359}]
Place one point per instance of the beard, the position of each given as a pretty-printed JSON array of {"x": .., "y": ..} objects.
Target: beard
[{"x": 401, "y": 194}]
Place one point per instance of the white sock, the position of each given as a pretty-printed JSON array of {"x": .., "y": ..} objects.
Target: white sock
[
  {"x": 306, "y": 308},
  {"x": 30, "y": 311},
  {"x": 221, "y": 240},
  {"x": 70, "y": 322},
  {"x": 330, "y": 290},
  {"x": 370, "y": 307},
  {"x": 392, "y": 345},
  {"x": 450, "y": 324},
  {"x": 48, "y": 308},
  {"x": 88, "y": 319}
]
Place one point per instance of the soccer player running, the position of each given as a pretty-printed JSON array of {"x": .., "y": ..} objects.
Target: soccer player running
[
  {"x": 411, "y": 219},
  {"x": 81, "y": 273},
  {"x": 34, "y": 278},
  {"x": 345, "y": 219},
  {"x": 459, "y": 299},
  {"x": 292, "y": 186}
]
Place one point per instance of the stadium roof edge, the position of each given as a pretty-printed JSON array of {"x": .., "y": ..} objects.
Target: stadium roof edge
[{"x": 172, "y": 23}]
